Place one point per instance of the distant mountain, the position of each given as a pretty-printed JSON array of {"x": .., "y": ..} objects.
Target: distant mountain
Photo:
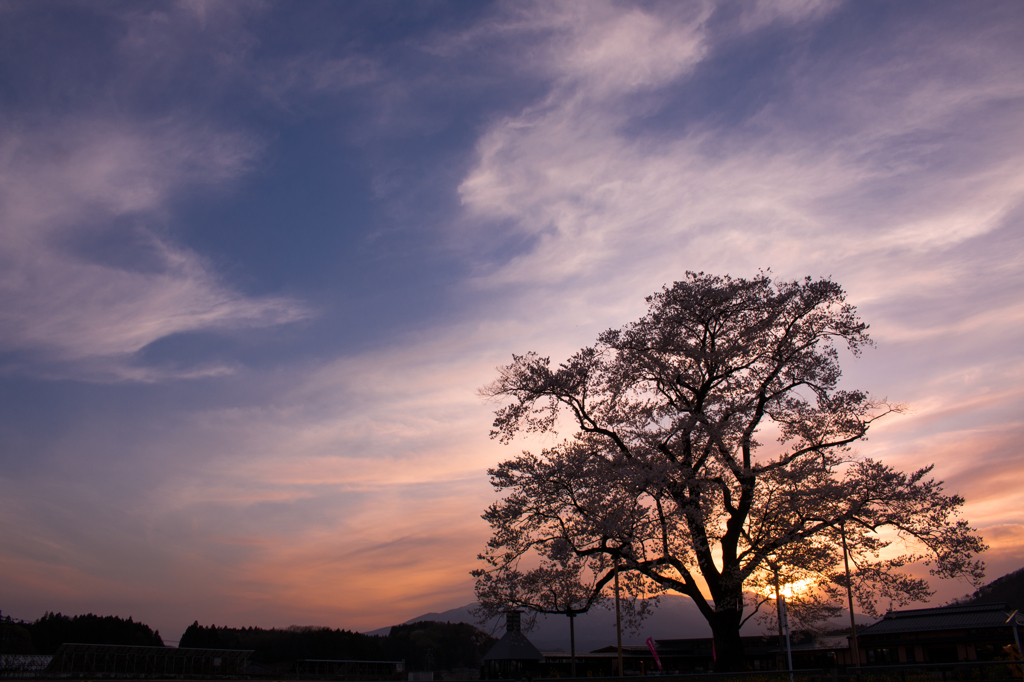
[
  {"x": 1009, "y": 589},
  {"x": 676, "y": 617}
]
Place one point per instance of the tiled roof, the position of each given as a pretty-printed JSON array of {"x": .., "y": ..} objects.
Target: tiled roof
[
  {"x": 966, "y": 617},
  {"x": 514, "y": 646}
]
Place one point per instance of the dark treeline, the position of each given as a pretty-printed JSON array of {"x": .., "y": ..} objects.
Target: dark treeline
[
  {"x": 289, "y": 644},
  {"x": 45, "y": 635},
  {"x": 425, "y": 645},
  {"x": 428, "y": 645}
]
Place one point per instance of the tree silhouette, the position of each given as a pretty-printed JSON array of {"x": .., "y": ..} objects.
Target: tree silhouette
[{"x": 666, "y": 472}]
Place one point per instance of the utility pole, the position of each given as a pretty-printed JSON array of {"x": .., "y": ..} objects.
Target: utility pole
[
  {"x": 1016, "y": 639},
  {"x": 780, "y": 606},
  {"x": 572, "y": 641},
  {"x": 618, "y": 616},
  {"x": 854, "y": 650}
]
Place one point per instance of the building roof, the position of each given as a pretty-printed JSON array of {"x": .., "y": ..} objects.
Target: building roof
[
  {"x": 23, "y": 662},
  {"x": 514, "y": 646},
  {"x": 596, "y": 655},
  {"x": 626, "y": 649},
  {"x": 963, "y": 617},
  {"x": 75, "y": 656},
  {"x": 164, "y": 651}
]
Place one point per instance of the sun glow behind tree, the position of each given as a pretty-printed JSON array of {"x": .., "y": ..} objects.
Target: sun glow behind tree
[{"x": 790, "y": 590}]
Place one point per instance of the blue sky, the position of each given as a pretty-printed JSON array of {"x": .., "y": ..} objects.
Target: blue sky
[{"x": 256, "y": 258}]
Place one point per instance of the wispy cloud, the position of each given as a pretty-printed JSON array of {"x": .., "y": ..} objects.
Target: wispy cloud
[
  {"x": 874, "y": 173},
  {"x": 71, "y": 183}
]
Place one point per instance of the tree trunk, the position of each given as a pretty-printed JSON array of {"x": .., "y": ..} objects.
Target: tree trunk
[
  {"x": 728, "y": 653},
  {"x": 572, "y": 642}
]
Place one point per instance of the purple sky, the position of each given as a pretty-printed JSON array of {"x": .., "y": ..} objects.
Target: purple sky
[{"x": 256, "y": 258}]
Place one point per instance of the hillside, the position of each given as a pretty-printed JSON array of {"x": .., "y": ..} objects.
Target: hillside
[{"x": 1009, "y": 589}]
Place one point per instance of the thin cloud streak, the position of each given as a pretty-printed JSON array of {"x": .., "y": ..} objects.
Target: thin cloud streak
[{"x": 57, "y": 188}]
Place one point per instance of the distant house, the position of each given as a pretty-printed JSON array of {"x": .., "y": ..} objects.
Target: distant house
[
  {"x": 514, "y": 656},
  {"x": 973, "y": 632},
  {"x": 604, "y": 662},
  {"x": 763, "y": 652},
  {"x": 114, "y": 660},
  {"x": 949, "y": 634},
  {"x": 22, "y": 665},
  {"x": 697, "y": 655}
]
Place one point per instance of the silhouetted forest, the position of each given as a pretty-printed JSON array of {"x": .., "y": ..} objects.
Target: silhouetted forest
[
  {"x": 289, "y": 644},
  {"x": 426, "y": 645},
  {"x": 45, "y": 635},
  {"x": 15, "y": 637},
  {"x": 429, "y": 645}
]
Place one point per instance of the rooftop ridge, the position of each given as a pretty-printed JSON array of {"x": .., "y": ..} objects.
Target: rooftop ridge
[{"x": 957, "y": 608}]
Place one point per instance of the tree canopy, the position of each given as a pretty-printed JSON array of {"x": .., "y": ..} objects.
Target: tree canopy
[
  {"x": 54, "y": 629},
  {"x": 424, "y": 645},
  {"x": 710, "y": 454}
]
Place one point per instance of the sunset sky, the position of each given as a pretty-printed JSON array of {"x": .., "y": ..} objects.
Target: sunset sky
[{"x": 257, "y": 258}]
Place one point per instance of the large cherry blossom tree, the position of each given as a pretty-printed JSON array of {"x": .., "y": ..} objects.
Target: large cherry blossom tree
[{"x": 710, "y": 452}]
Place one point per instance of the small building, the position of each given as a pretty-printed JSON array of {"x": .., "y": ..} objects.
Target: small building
[
  {"x": 948, "y": 634},
  {"x": 22, "y": 665},
  {"x": 762, "y": 652},
  {"x": 514, "y": 656},
  {"x": 115, "y": 660},
  {"x": 603, "y": 662}
]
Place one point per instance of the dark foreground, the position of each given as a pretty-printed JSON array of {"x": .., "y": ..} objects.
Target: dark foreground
[{"x": 945, "y": 672}]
